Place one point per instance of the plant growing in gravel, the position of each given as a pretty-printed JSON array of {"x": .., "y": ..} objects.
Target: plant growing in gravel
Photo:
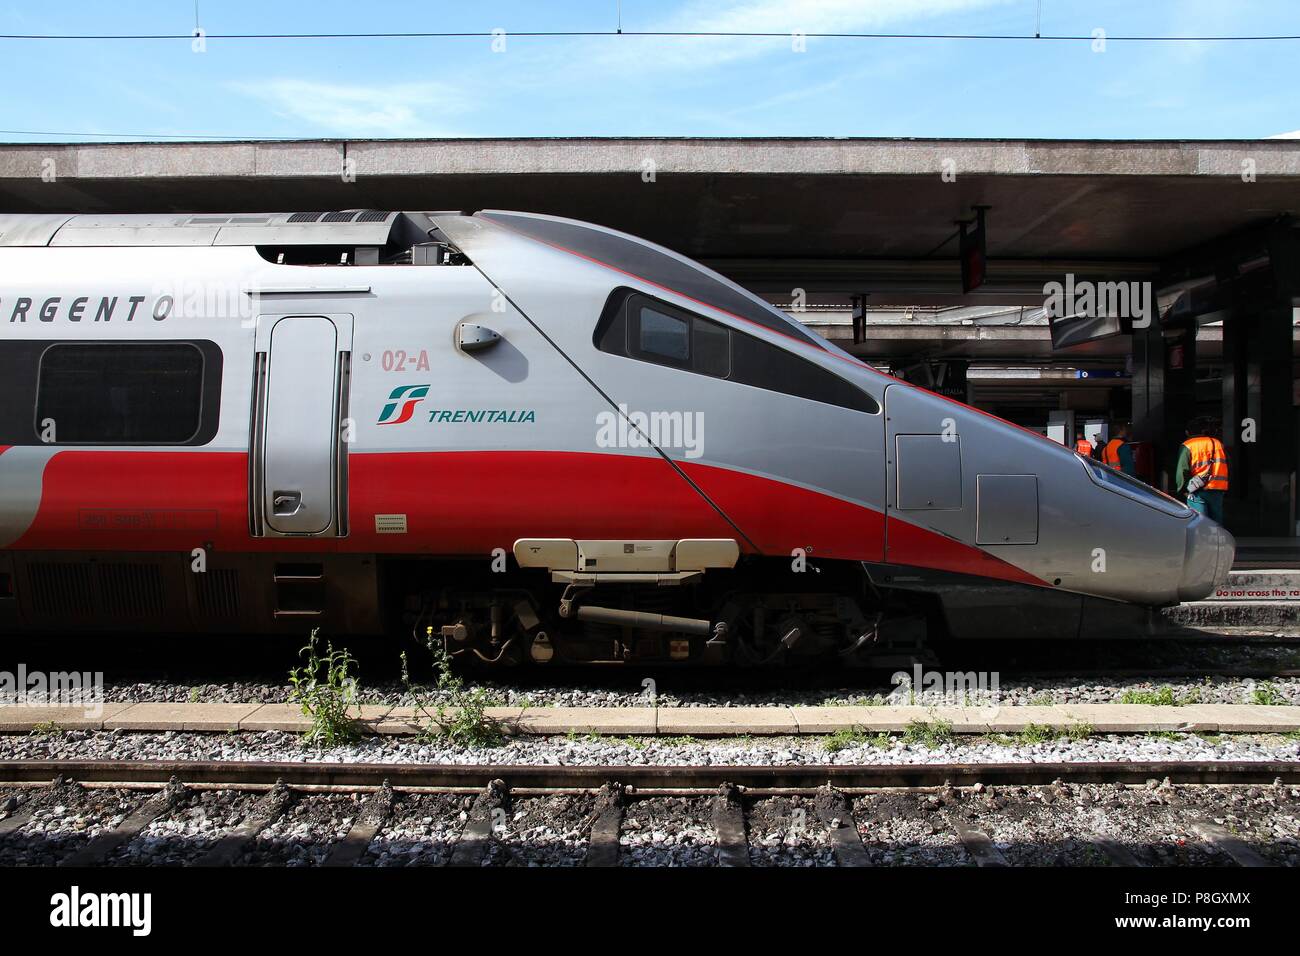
[
  {"x": 1080, "y": 730},
  {"x": 325, "y": 686},
  {"x": 1164, "y": 697},
  {"x": 843, "y": 739},
  {"x": 875, "y": 700},
  {"x": 1267, "y": 694},
  {"x": 1037, "y": 734},
  {"x": 458, "y": 713},
  {"x": 932, "y": 733},
  {"x": 46, "y": 728}
]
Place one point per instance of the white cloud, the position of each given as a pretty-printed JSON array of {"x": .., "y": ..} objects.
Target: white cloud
[
  {"x": 401, "y": 109},
  {"x": 1294, "y": 134},
  {"x": 785, "y": 17},
  {"x": 813, "y": 16}
]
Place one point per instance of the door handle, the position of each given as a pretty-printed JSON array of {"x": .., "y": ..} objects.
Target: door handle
[{"x": 285, "y": 503}]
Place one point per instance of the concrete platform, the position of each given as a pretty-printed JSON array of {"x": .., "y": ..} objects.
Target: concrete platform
[
  {"x": 614, "y": 721},
  {"x": 14, "y": 719},
  {"x": 1265, "y": 584},
  {"x": 677, "y": 721},
  {"x": 290, "y": 718},
  {"x": 180, "y": 716},
  {"x": 1234, "y": 613},
  {"x": 726, "y": 721},
  {"x": 405, "y": 720}
]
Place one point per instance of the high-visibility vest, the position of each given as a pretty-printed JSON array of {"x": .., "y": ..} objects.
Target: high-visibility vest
[
  {"x": 1110, "y": 454},
  {"x": 1210, "y": 460},
  {"x": 1083, "y": 447}
]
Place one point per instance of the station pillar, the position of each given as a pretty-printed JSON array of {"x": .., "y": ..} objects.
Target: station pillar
[
  {"x": 1164, "y": 390},
  {"x": 1261, "y": 428}
]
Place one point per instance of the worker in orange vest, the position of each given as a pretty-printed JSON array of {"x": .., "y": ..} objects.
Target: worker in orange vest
[
  {"x": 1082, "y": 445},
  {"x": 1202, "y": 472},
  {"x": 1118, "y": 453}
]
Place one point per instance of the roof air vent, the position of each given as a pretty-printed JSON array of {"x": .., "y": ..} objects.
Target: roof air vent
[{"x": 305, "y": 216}]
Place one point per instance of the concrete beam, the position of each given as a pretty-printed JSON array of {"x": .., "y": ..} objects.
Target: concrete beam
[{"x": 671, "y": 156}]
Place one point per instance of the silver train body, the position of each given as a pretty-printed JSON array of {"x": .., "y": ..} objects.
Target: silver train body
[{"x": 540, "y": 438}]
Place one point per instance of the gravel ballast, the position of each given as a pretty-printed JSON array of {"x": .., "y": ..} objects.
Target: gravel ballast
[
  {"x": 1010, "y": 693},
  {"x": 1061, "y": 824},
  {"x": 643, "y": 751}
]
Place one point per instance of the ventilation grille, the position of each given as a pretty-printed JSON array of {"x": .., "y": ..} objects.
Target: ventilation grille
[
  {"x": 131, "y": 590},
  {"x": 60, "y": 589},
  {"x": 305, "y": 216},
  {"x": 217, "y": 593},
  {"x": 373, "y": 216},
  {"x": 339, "y": 217}
]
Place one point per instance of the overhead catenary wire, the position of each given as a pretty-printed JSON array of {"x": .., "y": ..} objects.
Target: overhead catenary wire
[{"x": 662, "y": 34}]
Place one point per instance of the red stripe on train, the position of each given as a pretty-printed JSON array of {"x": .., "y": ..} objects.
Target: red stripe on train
[
  {"x": 922, "y": 548},
  {"x": 779, "y": 517},
  {"x": 472, "y": 502},
  {"x": 464, "y": 503}
]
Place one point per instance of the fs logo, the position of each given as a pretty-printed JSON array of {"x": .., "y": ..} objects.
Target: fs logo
[{"x": 408, "y": 396}]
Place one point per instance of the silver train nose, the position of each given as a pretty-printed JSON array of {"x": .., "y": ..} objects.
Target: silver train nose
[{"x": 1207, "y": 559}]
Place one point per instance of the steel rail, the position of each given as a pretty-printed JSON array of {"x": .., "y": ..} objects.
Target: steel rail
[{"x": 236, "y": 774}]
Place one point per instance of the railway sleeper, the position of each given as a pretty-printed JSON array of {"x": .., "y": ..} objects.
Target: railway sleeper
[
  {"x": 1221, "y": 840},
  {"x": 606, "y": 823},
  {"x": 486, "y": 814},
  {"x": 978, "y": 845},
  {"x": 836, "y": 813},
  {"x": 372, "y": 816},
  {"x": 729, "y": 823},
  {"x": 228, "y": 849},
  {"x": 101, "y": 847}
]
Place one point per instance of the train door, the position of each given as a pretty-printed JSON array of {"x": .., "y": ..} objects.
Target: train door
[{"x": 298, "y": 470}]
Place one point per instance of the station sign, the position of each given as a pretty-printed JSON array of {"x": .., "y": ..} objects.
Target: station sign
[{"x": 974, "y": 255}]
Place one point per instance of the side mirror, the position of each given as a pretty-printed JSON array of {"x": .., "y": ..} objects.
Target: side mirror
[{"x": 475, "y": 338}]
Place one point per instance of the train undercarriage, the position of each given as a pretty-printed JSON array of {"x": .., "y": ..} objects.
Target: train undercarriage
[{"x": 755, "y": 612}]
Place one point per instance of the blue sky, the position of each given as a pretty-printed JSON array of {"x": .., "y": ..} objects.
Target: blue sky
[{"x": 614, "y": 86}]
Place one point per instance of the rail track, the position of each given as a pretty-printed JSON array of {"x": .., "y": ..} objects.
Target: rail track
[{"x": 840, "y": 813}]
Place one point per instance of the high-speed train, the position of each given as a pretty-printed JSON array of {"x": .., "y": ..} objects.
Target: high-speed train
[{"x": 542, "y": 439}]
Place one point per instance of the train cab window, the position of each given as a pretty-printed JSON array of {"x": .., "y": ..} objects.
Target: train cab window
[
  {"x": 639, "y": 327},
  {"x": 711, "y": 345},
  {"x": 664, "y": 336},
  {"x": 120, "y": 393}
]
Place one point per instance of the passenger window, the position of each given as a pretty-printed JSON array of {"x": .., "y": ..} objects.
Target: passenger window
[
  {"x": 120, "y": 393},
  {"x": 666, "y": 336}
]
